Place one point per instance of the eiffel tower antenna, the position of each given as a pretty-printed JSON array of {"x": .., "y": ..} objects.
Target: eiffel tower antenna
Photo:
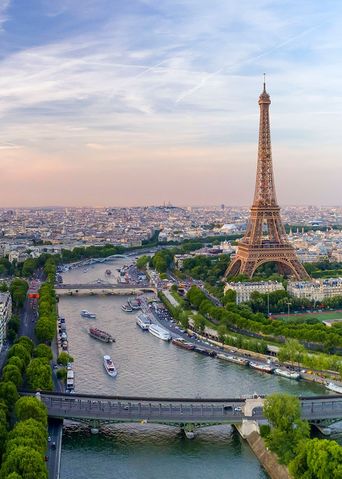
[{"x": 265, "y": 239}]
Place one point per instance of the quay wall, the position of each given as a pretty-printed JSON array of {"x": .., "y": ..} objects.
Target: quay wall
[{"x": 267, "y": 459}]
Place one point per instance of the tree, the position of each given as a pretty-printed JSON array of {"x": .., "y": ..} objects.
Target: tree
[
  {"x": 43, "y": 351},
  {"x": 45, "y": 329},
  {"x": 39, "y": 375},
  {"x": 281, "y": 410},
  {"x": 292, "y": 351},
  {"x": 64, "y": 359},
  {"x": 26, "y": 462},
  {"x": 19, "y": 351},
  {"x": 9, "y": 393},
  {"x": 222, "y": 332},
  {"x": 287, "y": 429},
  {"x": 30, "y": 429},
  {"x": 27, "y": 343},
  {"x": 29, "y": 266},
  {"x": 199, "y": 323},
  {"x": 14, "y": 323},
  {"x": 229, "y": 296},
  {"x": 62, "y": 374},
  {"x": 14, "y": 475},
  {"x": 143, "y": 261},
  {"x": 12, "y": 373},
  {"x": 16, "y": 361},
  {"x": 317, "y": 459},
  {"x": 29, "y": 407}
]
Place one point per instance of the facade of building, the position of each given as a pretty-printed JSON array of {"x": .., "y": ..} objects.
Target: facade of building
[
  {"x": 316, "y": 290},
  {"x": 5, "y": 315},
  {"x": 244, "y": 290}
]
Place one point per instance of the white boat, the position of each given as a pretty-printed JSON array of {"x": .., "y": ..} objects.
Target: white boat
[
  {"x": 126, "y": 308},
  {"x": 334, "y": 387},
  {"x": 159, "y": 332},
  {"x": 143, "y": 321},
  {"x": 266, "y": 368},
  {"x": 70, "y": 384},
  {"x": 233, "y": 359},
  {"x": 286, "y": 373},
  {"x": 87, "y": 314},
  {"x": 109, "y": 366}
]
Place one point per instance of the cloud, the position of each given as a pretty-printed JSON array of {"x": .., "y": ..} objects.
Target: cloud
[{"x": 173, "y": 83}]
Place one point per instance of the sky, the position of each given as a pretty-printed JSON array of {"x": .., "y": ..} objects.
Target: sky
[{"x": 140, "y": 102}]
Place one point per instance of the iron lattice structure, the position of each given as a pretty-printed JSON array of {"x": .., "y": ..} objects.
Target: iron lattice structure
[{"x": 265, "y": 239}]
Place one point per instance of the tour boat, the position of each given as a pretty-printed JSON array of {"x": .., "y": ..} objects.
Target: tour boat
[
  {"x": 334, "y": 387},
  {"x": 266, "y": 368},
  {"x": 159, "y": 332},
  {"x": 286, "y": 373},
  {"x": 181, "y": 343},
  {"x": 233, "y": 359},
  {"x": 87, "y": 314},
  {"x": 134, "y": 303},
  {"x": 101, "y": 335},
  {"x": 109, "y": 366},
  {"x": 126, "y": 308},
  {"x": 143, "y": 321}
]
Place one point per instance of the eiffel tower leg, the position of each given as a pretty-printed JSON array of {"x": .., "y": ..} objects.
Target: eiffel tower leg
[
  {"x": 299, "y": 270},
  {"x": 233, "y": 268}
]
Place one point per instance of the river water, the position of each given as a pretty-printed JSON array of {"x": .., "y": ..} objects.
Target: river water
[{"x": 148, "y": 366}]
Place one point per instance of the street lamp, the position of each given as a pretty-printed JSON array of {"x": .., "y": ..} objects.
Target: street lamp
[{"x": 288, "y": 310}]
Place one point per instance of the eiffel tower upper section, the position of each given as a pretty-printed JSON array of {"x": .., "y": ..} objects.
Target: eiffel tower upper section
[{"x": 264, "y": 187}]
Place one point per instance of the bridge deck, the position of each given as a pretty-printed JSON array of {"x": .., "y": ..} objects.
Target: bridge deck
[{"x": 127, "y": 409}]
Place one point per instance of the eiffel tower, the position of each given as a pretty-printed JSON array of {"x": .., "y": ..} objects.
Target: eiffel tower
[{"x": 265, "y": 239}]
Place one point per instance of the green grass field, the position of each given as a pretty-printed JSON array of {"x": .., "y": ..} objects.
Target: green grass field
[{"x": 321, "y": 316}]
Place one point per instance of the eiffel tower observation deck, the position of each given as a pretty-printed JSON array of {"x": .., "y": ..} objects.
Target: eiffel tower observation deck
[{"x": 265, "y": 239}]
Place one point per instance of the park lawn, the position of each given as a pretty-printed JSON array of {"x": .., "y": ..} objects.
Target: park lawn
[{"x": 321, "y": 316}]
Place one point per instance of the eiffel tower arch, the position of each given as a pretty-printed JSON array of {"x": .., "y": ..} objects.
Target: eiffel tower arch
[{"x": 265, "y": 239}]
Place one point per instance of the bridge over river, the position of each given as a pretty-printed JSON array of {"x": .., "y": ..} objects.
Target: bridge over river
[
  {"x": 178, "y": 411},
  {"x": 86, "y": 289}
]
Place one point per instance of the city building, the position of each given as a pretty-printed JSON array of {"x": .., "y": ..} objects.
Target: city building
[
  {"x": 244, "y": 290},
  {"x": 316, "y": 290},
  {"x": 5, "y": 315}
]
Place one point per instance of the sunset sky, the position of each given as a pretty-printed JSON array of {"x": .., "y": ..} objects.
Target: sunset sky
[{"x": 111, "y": 103}]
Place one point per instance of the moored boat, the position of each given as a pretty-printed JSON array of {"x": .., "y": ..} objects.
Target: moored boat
[
  {"x": 181, "y": 343},
  {"x": 108, "y": 272},
  {"x": 233, "y": 359},
  {"x": 286, "y": 373},
  {"x": 134, "y": 303},
  {"x": 70, "y": 382},
  {"x": 264, "y": 367},
  {"x": 334, "y": 387},
  {"x": 143, "y": 321},
  {"x": 126, "y": 308},
  {"x": 159, "y": 332},
  {"x": 109, "y": 366},
  {"x": 101, "y": 335},
  {"x": 205, "y": 352},
  {"x": 87, "y": 314}
]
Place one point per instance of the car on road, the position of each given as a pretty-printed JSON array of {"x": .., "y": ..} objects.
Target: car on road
[
  {"x": 53, "y": 445},
  {"x": 238, "y": 409}
]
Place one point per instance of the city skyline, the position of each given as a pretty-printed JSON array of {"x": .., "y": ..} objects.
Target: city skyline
[{"x": 146, "y": 104}]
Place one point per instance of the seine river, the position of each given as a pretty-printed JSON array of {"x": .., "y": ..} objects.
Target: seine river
[{"x": 150, "y": 367}]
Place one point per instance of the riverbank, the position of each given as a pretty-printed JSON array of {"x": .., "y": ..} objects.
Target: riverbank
[{"x": 267, "y": 459}]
